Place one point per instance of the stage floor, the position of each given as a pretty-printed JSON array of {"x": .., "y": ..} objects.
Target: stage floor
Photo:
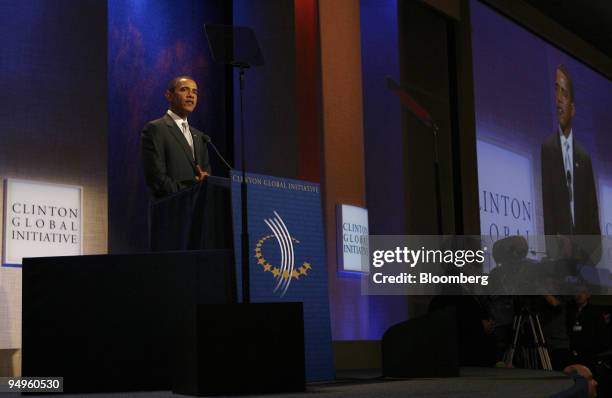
[{"x": 473, "y": 383}]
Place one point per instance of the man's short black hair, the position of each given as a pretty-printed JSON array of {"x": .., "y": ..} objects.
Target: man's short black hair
[
  {"x": 173, "y": 83},
  {"x": 563, "y": 69}
]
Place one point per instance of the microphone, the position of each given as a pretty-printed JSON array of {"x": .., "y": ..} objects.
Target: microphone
[{"x": 208, "y": 141}]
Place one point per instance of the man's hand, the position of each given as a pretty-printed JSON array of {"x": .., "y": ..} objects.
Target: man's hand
[{"x": 201, "y": 174}]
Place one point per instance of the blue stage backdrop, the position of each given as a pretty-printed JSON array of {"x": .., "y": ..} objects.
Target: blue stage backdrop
[
  {"x": 270, "y": 113},
  {"x": 149, "y": 43},
  {"x": 288, "y": 257},
  {"x": 382, "y": 118},
  {"x": 52, "y": 120},
  {"x": 385, "y": 158}
]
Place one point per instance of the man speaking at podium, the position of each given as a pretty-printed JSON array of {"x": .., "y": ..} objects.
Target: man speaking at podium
[{"x": 175, "y": 155}]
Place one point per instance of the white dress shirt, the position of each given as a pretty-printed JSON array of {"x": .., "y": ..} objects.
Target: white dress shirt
[{"x": 183, "y": 125}]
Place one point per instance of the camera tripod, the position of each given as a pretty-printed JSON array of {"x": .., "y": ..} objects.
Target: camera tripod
[{"x": 534, "y": 353}]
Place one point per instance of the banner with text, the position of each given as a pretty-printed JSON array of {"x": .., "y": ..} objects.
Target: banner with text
[{"x": 287, "y": 254}]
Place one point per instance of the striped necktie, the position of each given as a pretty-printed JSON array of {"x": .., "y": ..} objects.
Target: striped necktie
[{"x": 187, "y": 135}]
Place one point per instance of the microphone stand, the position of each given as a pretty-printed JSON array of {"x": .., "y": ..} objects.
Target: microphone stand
[
  {"x": 435, "y": 130},
  {"x": 244, "y": 235},
  {"x": 237, "y": 47},
  {"x": 208, "y": 141},
  {"x": 423, "y": 115}
]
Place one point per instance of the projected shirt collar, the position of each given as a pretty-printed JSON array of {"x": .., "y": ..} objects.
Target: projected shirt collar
[{"x": 183, "y": 126}]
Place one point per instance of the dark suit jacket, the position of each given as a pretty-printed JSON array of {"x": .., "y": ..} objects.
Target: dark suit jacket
[
  {"x": 555, "y": 195},
  {"x": 592, "y": 335},
  {"x": 169, "y": 165}
]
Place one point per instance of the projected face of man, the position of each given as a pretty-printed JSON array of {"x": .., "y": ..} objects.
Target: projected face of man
[
  {"x": 182, "y": 97},
  {"x": 564, "y": 101}
]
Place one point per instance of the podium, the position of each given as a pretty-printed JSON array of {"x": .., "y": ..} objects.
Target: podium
[
  {"x": 196, "y": 218},
  {"x": 109, "y": 323},
  {"x": 227, "y": 349},
  {"x": 112, "y": 322},
  {"x": 166, "y": 320},
  {"x": 422, "y": 347}
]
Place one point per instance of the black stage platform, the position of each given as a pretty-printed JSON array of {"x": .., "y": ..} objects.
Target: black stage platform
[{"x": 473, "y": 383}]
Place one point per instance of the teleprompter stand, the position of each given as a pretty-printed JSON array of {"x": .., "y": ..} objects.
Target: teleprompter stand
[{"x": 245, "y": 348}]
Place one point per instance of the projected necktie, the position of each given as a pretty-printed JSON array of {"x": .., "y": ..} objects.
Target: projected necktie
[{"x": 569, "y": 177}]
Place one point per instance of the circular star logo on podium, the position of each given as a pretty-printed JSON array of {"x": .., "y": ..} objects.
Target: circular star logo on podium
[{"x": 286, "y": 272}]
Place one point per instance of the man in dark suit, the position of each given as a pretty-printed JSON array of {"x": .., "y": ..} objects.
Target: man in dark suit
[
  {"x": 569, "y": 197},
  {"x": 589, "y": 335},
  {"x": 174, "y": 154}
]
